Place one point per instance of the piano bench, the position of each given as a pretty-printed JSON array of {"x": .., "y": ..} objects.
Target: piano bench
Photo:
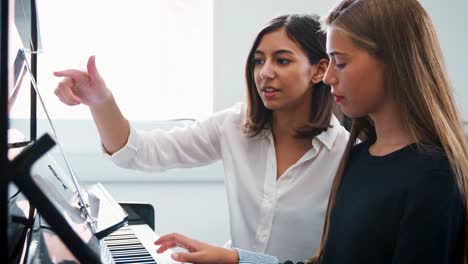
[{"x": 139, "y": 213}]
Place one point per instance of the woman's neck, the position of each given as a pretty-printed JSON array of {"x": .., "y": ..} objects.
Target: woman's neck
[{"x": 284, "y": 122}]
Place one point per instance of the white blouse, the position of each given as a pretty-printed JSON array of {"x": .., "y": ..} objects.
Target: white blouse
[{"x": 283, "y": 217}]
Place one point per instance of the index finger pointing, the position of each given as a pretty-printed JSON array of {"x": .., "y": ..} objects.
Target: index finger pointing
[{"x": 74, "y": 74}]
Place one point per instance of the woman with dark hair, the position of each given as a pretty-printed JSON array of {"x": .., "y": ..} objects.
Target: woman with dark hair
[
  {"x": 401, "y": 194},
  {"x": 280, "y": 151}
]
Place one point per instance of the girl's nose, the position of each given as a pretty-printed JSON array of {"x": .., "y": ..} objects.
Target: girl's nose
[{"x": 329, "y": 77}]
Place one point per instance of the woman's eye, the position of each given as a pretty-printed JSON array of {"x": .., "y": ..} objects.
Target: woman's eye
[
  {"x": 283, "y": 61},
  {"x": 258, "y": 61}
]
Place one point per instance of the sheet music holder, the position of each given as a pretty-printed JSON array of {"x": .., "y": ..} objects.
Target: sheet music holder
[
  {"x": 105, "y": 213},
  {"x": 59, "y": 206}
]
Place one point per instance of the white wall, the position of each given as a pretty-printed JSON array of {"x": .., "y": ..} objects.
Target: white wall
[
  {"x": 450, "y": 19},
  {"x": 236, "y": 23},
  {"x": 192, "y": 201}
]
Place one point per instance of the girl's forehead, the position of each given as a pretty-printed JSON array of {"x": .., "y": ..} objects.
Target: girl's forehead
[{"x": 338, "y": 43}]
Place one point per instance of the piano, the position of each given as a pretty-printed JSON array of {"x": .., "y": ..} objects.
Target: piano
[
  {"x": 45, "y": 215},
  {"x": 32, "y": 240},
  {"x": 35, "y": 242}
]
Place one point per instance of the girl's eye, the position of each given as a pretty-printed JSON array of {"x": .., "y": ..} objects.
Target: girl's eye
[
  {"x": 283, "y": 61},
  {"x": 258, "y": 61},
  {"x": 340, "y": 65}
]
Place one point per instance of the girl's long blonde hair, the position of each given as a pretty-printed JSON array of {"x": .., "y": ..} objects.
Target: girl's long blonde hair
[{"x": 401, "y": 35}]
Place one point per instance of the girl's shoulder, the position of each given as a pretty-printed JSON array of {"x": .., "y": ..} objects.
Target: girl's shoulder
[{"x": 359, "y": 147}]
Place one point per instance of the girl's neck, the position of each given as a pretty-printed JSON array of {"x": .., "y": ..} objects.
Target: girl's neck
[{"x": 391, "y": 134}]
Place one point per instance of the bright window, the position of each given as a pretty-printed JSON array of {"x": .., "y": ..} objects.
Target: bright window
[{"x": 155, "y": 55}]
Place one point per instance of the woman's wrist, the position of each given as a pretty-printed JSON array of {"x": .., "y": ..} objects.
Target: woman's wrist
[
  {"x": 245, "y": 256},
  {"x": 102, "y": 100},
  {"x": 230, "y": 257}
]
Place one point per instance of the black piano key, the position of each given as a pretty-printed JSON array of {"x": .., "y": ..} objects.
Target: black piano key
[
  {"x": 135, "y": 260},
  {"x": 125, "y": 247},
  {"x": 129, "y": 253},
  {"x": 139, "y": 258},
  {"x": 131, "y": 256}
]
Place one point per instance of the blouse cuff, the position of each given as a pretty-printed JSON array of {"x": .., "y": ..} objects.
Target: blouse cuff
[
  {"x": 127, "y": 152},
  {"x": 246, "y": 256}
]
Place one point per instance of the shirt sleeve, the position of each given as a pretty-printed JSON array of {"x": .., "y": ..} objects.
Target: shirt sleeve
[
  {"x": 254, "y": 257},
  {"x": 432, "y": 226},
  {"x": 181, "y": 147}
]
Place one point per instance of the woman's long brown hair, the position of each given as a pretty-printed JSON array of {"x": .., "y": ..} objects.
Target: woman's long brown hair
[
  {"x": 401, "y": 35},
  {"x": 305, "y": 31}
]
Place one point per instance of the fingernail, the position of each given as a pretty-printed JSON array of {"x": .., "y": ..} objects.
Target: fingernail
[{"x": 175, "y": 256}]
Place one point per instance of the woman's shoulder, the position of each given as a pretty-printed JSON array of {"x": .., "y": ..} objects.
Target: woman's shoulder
[
  {"x": 237, "y": 109},
  {"x": 234, "y": 115}
]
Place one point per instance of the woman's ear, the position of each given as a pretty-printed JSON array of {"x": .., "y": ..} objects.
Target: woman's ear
[{"x": 319, "y": 70}]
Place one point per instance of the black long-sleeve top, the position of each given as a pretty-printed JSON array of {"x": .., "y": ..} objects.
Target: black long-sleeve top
[{"x": 403, "y": 207}]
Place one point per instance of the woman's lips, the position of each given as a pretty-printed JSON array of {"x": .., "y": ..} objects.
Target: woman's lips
[{"x": 269, "y": 93}]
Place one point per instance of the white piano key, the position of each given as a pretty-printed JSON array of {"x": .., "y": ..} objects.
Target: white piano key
[{"x": 135, "y": 244}]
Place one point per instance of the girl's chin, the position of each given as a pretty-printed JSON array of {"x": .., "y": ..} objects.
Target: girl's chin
[{"x": 352, "y": 114}]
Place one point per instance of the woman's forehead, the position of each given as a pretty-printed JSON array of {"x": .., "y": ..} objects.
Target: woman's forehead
[{"x": 277, "y": 40}]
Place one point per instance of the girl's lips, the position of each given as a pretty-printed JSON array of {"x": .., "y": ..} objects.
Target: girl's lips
[{"x": 338, "y": 98}]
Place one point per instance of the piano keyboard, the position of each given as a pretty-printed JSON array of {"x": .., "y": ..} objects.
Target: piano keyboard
[
  {"x": 133, "y": 244},
  {"x": 125, "y": 247}
]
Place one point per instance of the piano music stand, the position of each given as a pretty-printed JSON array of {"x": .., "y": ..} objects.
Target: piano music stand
[{"x": 84, "y": 251}]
